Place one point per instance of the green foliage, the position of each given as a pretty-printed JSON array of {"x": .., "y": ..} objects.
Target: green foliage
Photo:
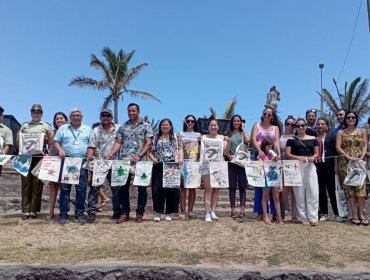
[{"x": 229, "y": 111}]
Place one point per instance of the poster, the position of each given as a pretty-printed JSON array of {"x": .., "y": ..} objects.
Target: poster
[
  {"x": 143, "y": 173},
  {"x": 292, "y": 173},
  {"x": 50, "y": 169},
  {"x": 171, "y": 175},
  {"x": 120, "y": 172},
  {"x": 273, "y": 174},
  {"x": 356, "y": 173},
  {"x": 71, "y": 170},
  {"x": 100, "y": 171},
  {"x": 190, "y": 145},
  {"x": 255, "y": 173},
  {"x": 31, "y": 143},
  {"x": 212, "y": 150},
  {"x": 219, "y": 174},
  {"x": 22, "y": 164},
  {"x": 191, "y": 173},
  {"x": 242, "y": 155},
  {"x": 4, "y": 158}
]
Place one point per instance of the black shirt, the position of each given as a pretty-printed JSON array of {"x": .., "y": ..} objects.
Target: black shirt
[{"x": 302, "y": 147}]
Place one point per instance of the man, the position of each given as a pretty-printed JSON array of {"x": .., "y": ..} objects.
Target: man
[
  {"x": 101, "y": 142},
  {"x": 133, "y": 140},
  {"x": 6, "y": 137},
  {"x": 311, "y": 116},
  {"x": 31, "y": 185},
  {"x": 71, "y": 140},
  {"x": 340, "y": 118}
]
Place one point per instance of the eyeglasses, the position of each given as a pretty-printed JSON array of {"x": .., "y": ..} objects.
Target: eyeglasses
[
  {"x": 300, "y": 125},
  {"x": 310, "y": 111},
  {"x": 190, "y": 121},
  {"x": 105, "y": 116},
  {"x": 267, "y": 114},
  {"x": 36, "y": 112},
  {"x": 290, "y": 124},
  {"x": 351, "y": 117}
]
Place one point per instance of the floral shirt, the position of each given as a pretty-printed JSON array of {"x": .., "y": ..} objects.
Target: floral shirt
[
  {"x": 102, "y": 140},
  {"x": 133, "y": 138},
  {"x": 165, "y": 150}
]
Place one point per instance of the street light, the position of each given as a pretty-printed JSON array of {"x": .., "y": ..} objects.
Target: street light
[{"x": 321, "y": 65}]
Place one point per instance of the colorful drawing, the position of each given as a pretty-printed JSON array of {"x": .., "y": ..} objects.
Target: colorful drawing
[
  {"x": 211, "y": 150},
  {"x": 143, "y": 173},
  {"x": 242, "y": 155},
  {"x": 171, "y": 175},
  {"x": 71, "y": 170},
  {"x": 50, "y": 169},
  {"x": 120, "y": 172},
  {"x": 4, "y": 158},
  {"x": 273, "y": 174},
  {"x": 190, "y": 145},
  {"x": 219, "y": 174},
  {"x": 100, "y": 171},
  {"x": 22, "y": 164},
  {"x": 255, "y": 173},
  {"x": 292, "y": 173},
  {"x": 192, "y": 176},
  {"x": 31, "y": 143}
]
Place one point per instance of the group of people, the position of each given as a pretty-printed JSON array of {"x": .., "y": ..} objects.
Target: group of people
[{"x": 322, "y": 155}]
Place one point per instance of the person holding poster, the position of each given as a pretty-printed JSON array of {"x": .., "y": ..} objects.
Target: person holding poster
[
  {"x": 31, "y": 185},
  {"x": 166, "y": 148},
  {"x": 305, "y": 148},
  {"x": 189, "y": 138},
  {"x": 133, "y": 140},
  {"x": 212, "y": 153},
  {"x": 237, "y": 176},
  {"x": 71, "y": 140},
  {"x": 6, "y": 137},
  {"x": 59, "y": 119},
  {"x": 267, "y": 129},
  {"x": 351, "y": 144},
  {"x": 101, "y": 142}
]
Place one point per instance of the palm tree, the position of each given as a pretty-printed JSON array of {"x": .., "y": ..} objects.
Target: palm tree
[
  {"x": 356, "y": 98},
  {"x": 117, "y": 76},
  {"x": 229, "y": 111}
]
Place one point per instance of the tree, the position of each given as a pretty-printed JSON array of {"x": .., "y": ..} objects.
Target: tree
[
  {"x": 229, "y": 111},
  {"x": 356, "y": 98},
  {"x": 117, "y": 76}
]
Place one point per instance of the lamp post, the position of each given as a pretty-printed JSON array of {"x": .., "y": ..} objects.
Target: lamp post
[{"x": 321, "y": 65}]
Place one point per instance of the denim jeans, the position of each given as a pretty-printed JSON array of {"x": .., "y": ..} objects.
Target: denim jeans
[
  {"x": 65, "y": 191},
  {"x": 121, "y": 199},
  {"x": 92, "y": 198}
]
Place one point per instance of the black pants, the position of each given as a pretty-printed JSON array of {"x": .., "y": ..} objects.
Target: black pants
[
  {"x": 326, "y": 181},
  {"x": 237, "y": 178},
  {"x": 162, "y": 196}
]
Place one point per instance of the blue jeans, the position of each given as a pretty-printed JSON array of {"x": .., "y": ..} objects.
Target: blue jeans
[
  {"x": 257, "y": 207},
  {"x": 65, "y": 192},
  {"x": 121, "y": 199}
]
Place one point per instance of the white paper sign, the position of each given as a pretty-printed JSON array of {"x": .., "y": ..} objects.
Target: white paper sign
[
  {"x": 4, "y": 159},
  {"x": 22, "y": 164},
  {"x": 31, "y": 143},
  {"x": 100, "y": 171},
  {"x": 273, "y": 174},
  {"x": 143, "y": 173},
  {"x": 71, "y": 170},
  {"x": 219, "y": 174},
  {"x": 192, "y": 176},
  {"x": 255, "y": 173},
  {"x": 242, "y": 155},
  {"x": 292, "y": 173},
  {"x": 211, "y": 150},
  {"x": 171, "y": 175},
  {"x": 50, "y": 169},
  {"x": 120, "y": 172}
]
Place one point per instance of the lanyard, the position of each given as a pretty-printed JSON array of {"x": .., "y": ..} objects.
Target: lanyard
[{"x": 75, "y": 137}]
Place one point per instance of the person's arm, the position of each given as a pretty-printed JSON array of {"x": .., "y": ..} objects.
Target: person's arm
[
  {"x": 57, "y": 147},
  {"x": 6, "y": 149},
  {"x": 261, "y": 154},
  {"x": 144, "y": 150},
  {"x": 115, "y": 149},
  {"x": 246, "y": 138},
  {"x": 227, "y": 145},
  {"x": 364, "y": 147},
  {"x": 181, "y": 154},
  {"x": 90, "y": 153},
  {"x": 315, "y": 155},
  {"x": 339, "y": 144},
  {"x": 277, "y": 144}
]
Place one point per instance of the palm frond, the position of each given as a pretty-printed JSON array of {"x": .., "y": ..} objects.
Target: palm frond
[
  {"x": 142, "y": 94},
  {"x": 107, "y": 101},
  {"x": 329, "y": 100},
  {"x": 213, "y": 112},
  {"x": 229, "y": 112},
  {"x": 131, "y": 74},
  {"x": 100, "y": 65},
  {"x": 83, "y": 81},
  {"x": 360, "y": 93}
]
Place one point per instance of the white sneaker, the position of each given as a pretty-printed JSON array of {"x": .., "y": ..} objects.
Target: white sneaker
[
  {"x": 157, "y": 217},
  {"x": 324, "y": 217},
  {"x": 208, "y": 218},
  {"x": 213, "y": 216},
  {"x": 168, "y": 217},
  {"x": 339, "y": 219}
]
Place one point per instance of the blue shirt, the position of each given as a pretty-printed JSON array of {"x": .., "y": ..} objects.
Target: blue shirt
[
  {"x": 73, "y": 141},
  {"x": 335, "y": 130}
]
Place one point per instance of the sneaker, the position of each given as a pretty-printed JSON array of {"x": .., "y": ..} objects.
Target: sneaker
[
  {"x": 79, "y": 220},
  {"x": 339, "y": 219},
  {"x": 157, "y": 217},
  {"x": 214, "y": 216},
  {"x": 324, "y": 217},
  {"x": 168, "y": 217},
  {"x": 208, "y": 218},
  {"x": 62, "y": 221},
  {"x": 91, "y": 218},
  {"x": 139, "y": 218}
]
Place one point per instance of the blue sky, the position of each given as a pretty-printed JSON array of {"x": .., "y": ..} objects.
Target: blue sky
[{"x": 200, "y": 53}]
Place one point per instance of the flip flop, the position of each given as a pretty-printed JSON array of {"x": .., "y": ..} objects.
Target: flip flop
[
  {"x": 356, "y": 222},
  {"x": 364, "y": 222}
]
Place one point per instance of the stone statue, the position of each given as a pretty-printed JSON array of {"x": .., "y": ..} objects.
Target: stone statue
[{"x": 273, "y": 97}]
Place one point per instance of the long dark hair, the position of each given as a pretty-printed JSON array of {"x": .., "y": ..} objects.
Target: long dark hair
[
  {"x": 298, "y": 120},
  {"x": 265, "y": 142},
  {"x": 195, "y": 124},
  {"x": 172, "y": 135},
  {"x": 345, "y": 124},
  {"x": 231, "y": 126},
  {"x": 56, "y": 114}
]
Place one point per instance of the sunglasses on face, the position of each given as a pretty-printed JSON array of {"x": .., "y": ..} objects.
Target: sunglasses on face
[
  {"x": 290, "y": 124},
  {"x": 351, "y": 118},
  {"x": 105, "y": 116},
  {"x": 267, "y": 114},
  {"x": 310, "y": 111},
  {"x": 300, "y": 125},
  {"x": 190, "y": 121}
]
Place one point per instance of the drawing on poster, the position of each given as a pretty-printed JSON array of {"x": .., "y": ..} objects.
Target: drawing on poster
[
  {"x": 101, "y": 168},
  {"x": 31, "y": 143},
  {"x": 190, "y": 142},
  {"x": 292, "y": 173},
  {"x": 273, "y": 174},
  {"x": 120, "y": 172},
  {"x": 4, "y": 158},
  {"x": 50, "y": 168},
  {"x": 171, "y": 175},
  {"x": 211, "y": 150},
  {"x": 71, "y": 170},
  {"x": 22, "y": 164},
  {"x": 191, "y": 173},
  {"x": 143, "y": 173},
  {"x": 242, "y": 155},
  {"x": 219, "y": 174},
  {"x": 255, "y": 173}
]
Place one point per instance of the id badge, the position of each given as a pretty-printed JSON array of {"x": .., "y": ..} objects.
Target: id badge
[{"x": 76, "y": 142}]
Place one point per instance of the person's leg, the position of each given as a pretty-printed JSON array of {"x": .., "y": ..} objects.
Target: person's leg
[
  {"x": 64, "y": 200},
  {"x": 157, "y": 189},
  {"x": 361, "y": 207},
  {"x": 242, "y": 185},
  {"x": 293, "y": 204},
  {"x": 330, "y": 186},
  {"x": 265, "y": 197},
  {"x": 323, "y": 198},
  {"x": 81, "y": 194},
  {"x": 26, "y": 193},
  {"x": 191, "y": 200},
  {"x": 276, "y": 198},
  {"x": 284, "y": 200},
  {"x": 183, "y": 192},
  {"x": 125, "y": 197},
  {"x": 214, "y": 199},
  {"x": 116, "y": 204},
  {"x": 171, "y": 198},
  {"x": 257, "y": 206},
  {"x": 36, "y": 195},
  {"x": 53, "y": 192},
  {"x": 300, "y": 197},
  {"x": 92, "y": 204},
  {"x": 232, "y": 187},
  {"x": 353, "y": 205},
  {"x": 312, "y": 194},
  {"x": 207, "y": 192}
]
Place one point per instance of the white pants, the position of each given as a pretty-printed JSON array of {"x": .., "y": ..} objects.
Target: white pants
[{"x": 307, "y": 196}]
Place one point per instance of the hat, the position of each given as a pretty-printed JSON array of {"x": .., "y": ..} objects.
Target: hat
[
  {"x": 106, "y": 110},
  {"x": 1, "y": 109},
  {"x": 74, "y": 110},
  {"x": 36, "y": 107}
]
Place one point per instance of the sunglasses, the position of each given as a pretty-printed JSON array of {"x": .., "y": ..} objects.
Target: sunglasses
[
  {"x": 351, "y": 117},
  {"x": 300, "y": 125},
  {"x": 190, "y": 121},
  {"x": 105, "y": 116},
  {"x": 36, "y": 111},
  {"x": 267, "y": 114},
  {"x": 310, "y": 111},
  {"x": 290, "y": 124}
]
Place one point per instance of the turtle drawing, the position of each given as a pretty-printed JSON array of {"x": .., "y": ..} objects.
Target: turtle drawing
[
  {"x": 72, "y": 169},
  {"x": 211, "y": 152},
  {"x": 121, "y": 171},
  {"x": 272, "y": 174},
  {"x": 143, "y": 176}
]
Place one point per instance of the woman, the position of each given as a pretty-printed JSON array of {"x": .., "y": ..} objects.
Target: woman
[
  {"x": 190, "y": 146},
  {"x": 325, "y": 170},
  {"x": 305, "y": 148},
  {"x": 352, "y": 146},
  {"x": 166, "y": 148},
  {"x": 211, "y": 194},
  {"x": 59, "y": 119},
  {"x": 368, "y": 146},
  {"x": 266, "y": 129},
  {"x": 237, "y": 175},
  {"x": 287, "y": 190}
]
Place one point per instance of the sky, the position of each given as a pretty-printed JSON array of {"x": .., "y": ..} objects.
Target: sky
[{"x": 200, "y": 54}]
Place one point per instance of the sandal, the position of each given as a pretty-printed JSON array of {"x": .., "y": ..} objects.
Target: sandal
[
  {"x": 242, "y": 215},
  {"x": 267, "y": 221},
  {"x": 364, "y": 222},
  {"x": 295, "y": 220},
  {"x": 356, "y": 222},
  {"x": 234, "y": 215}
]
